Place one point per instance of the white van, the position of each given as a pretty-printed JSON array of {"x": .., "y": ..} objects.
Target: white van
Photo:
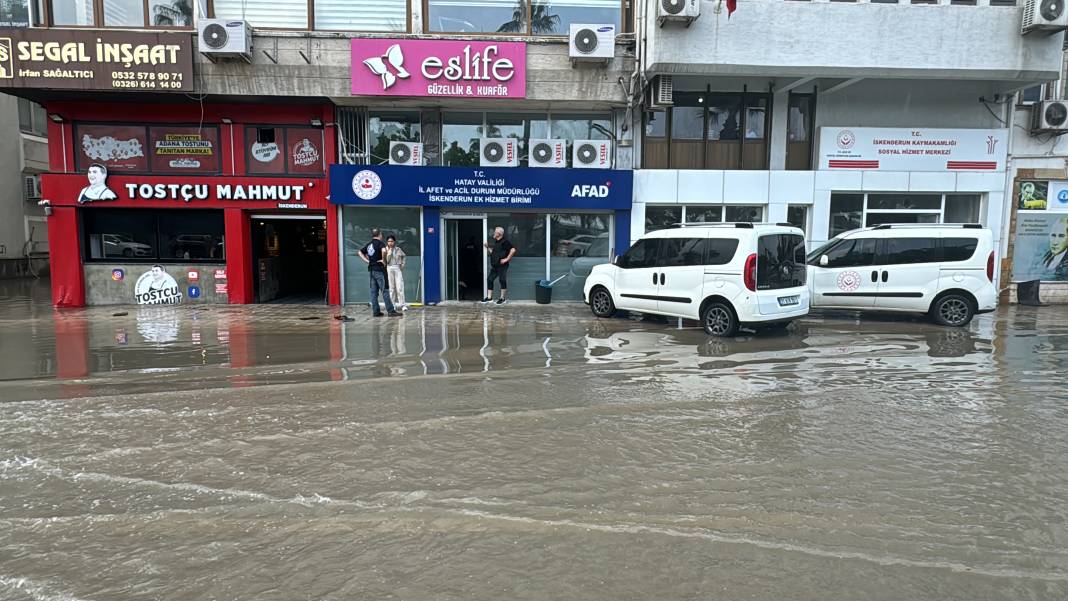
[
  {"x": 945, "y": 271},
  {"x": 726, "y": 275}
]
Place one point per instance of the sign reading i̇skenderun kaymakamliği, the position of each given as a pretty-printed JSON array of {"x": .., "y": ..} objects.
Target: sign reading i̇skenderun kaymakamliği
[
  {"x": 73, "y": 59},
  {"x": 515, "y": 188}
]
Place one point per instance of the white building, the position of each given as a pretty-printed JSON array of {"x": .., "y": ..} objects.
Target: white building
[
  {"x": 23, "y": 231},
  {"x": 771, "y": 111}
]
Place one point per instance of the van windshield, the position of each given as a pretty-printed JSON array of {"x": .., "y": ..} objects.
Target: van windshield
[{"x": 780, "y": 262}]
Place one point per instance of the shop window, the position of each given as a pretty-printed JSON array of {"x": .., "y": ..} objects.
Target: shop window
[
  {"x": 15, "y": 13},
  {"x": 164, "y": 149},
  {"x": 459, "y": 139},
  {"x": 518, "y": 126},
  {"x": 579, "y": 241},
  {"x": 526, "y": 231},
  {"x": 710, "y": 131},
  {"x": 524, "y": 17},
  {"x": 800, "y": 127},
  {"x": 852, "y": 211},
  {"x": 274, "y": 150},
  {"x": 962, "y": 208},
  {"x": 797, "y": 216},
  {"x": 847, "y": 211},
  {"x": 658, "y": 217},
  {"x": 701, "y": 214},
  {"x": 391, "y": 126},
  {"x": 154, "y": 235},
  {"x": 32, "y": 119},
  {"x": 460, "y": 132},
  {"x": 122, "y": 13},
  {"x": 743, "y": 214},
  {"x": 402, "y": 222}
]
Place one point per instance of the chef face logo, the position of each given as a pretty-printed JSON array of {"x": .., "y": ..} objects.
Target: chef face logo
[
  {"x": 366, "y": 185},
  {"x": 389, "y": 66},
  {"x": 846, "y": 139}
]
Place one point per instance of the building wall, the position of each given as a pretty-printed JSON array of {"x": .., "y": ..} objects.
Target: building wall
[{"x": 22, "y": 154}]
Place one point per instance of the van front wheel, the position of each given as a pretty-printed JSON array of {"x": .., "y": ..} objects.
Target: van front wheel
[
  {"x": 953, "y": 310},
  {"x": 718, "y": 320}
]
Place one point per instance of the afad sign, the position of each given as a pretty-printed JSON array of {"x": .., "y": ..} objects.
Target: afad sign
[{"x": 439, "y": 68}]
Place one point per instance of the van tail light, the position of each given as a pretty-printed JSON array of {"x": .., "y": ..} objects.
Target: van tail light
[
  {"x": 749, "y": 275},
  {"x": 990, "y": 267}
]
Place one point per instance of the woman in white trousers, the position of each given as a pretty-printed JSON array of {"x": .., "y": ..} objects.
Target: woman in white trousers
[{"x": 395, "y": 272}]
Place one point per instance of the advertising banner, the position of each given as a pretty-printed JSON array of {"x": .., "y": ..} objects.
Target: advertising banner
[
  {"x": 438, "y": 68},
  {"x": 482, "y": 187},
  {"x": 921, "y": 149},
  {"x": 189, "y": 149},
  {"x": 1041, "y": 247},
  {"x": 82, "y": 59},
  {"x": 116, "y": 147},
  {"x": 1033, "y": 196}
]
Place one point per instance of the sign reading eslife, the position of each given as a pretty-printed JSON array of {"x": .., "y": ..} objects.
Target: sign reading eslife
[
  {"x": 438, "y": 68},
  {"x": 913, "y": 149},
  {"x": 485, "y": 187}
]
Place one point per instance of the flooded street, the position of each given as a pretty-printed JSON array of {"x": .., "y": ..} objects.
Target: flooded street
[{"x": 527, "y": 452}]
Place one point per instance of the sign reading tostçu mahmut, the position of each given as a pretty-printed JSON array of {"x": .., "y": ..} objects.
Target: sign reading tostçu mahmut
[
  {"x": 481, "y": 187},
  {"x": 439, "y": 68},
  {"x": 73, "y": 59}
]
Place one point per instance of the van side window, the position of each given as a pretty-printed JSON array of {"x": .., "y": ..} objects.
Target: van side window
[
  {"x": 692, "y": 252},
  {"x": 905, "y": 251},
  {"x": 958, "y": 249},
  {"x": 852, "y": 253},
  {"x": 720, "y": 251},
  {"x": 642, "y": 254}
]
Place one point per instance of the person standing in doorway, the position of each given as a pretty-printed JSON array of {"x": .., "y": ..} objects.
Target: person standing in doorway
[
  {"x": 374, "y": 254},
  {"x": 395, "y": 271},
  {"x": 501, "y": 253}
]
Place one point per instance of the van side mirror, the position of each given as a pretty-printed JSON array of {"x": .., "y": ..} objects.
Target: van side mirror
[
  {"x": 615, "y": 260},
  {"x": 824, "y": 261}
]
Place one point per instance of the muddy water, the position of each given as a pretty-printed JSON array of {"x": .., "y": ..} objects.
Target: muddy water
[{"x": 527, "y": 453}]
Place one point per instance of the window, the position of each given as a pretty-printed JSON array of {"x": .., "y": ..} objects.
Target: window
[
  {"x": 849, "y": 211},
  {"x": 642, "y": 254},
  {"x": 390, "y": 126},
  {"x": 720, "y": 251},
  {"x": 156, "y": 236},
  {"x": 780, "y": 262},
  {"x": 700, "y": 214},
  {"x": 329, "y": 15},
  {"x": 123, "y": 13},
  {"x": 800, "y": 125},
  {"x": 658, "y": 217},
  {"x": 164, "y": 149},
  {"x": 958, "y": 249},
  {"x": 32, "y": 119},
  {"x": 1031, "y": 94},
  {"x": 904, "y": 251},
  {"x": 14, "y": 13},
  {"x": 681, "y": 252},
  {"x": 743, "y": 214},
  {"x": 705, "y": 130},
  {"x": 524, "y": 17},
  {"x": 278, "y": 150},
  {"x": 797, "y": 216},
  {"x": 848, "y": 253},
  {"x": 459, "y": 139},
  {"x": 460, "y": 132}
]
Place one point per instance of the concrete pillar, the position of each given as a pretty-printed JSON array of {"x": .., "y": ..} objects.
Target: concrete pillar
[{"x": 780, "y": 112}]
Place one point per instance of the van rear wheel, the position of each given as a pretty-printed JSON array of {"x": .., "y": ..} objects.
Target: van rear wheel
[
  {"x": 953, "y": 310},
  {"x": 718, "y": 320},
  {"x": 601, "y": 302}
]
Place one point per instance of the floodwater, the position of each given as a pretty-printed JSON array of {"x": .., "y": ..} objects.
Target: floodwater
[{"x": 526, "y": 452}]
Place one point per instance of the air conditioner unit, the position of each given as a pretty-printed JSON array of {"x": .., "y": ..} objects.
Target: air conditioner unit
[
  {"x": 405, "y": 153},
  {"x": 1044, "y": 15},
  {"x": 547, "y": 153},
  {"x": 661, "y": 92},
  {"x": 678, "y": 10},
  {"x": 1049, "y": 116},
  {"x": 592, "y": 43},
  {"x": 31, "y": 186},
  {"x": 220, "y": 38},
  {"x": 591, "y": 154},
  {"x": 498, "y": 152}
]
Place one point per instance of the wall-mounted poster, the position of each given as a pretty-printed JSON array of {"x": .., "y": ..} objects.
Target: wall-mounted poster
[
  {"x": 117, "y": 147},
  {"x": 1041, "y": 249},
  {"x": 1033, "y": 196},
  {"x": 184, "y": 149},
  {"x": 266, "y": 150},
  {"x": 305, "y": 147}
]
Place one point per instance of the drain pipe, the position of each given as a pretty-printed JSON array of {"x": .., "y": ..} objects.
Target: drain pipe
[{"x": 636, "y": 84}]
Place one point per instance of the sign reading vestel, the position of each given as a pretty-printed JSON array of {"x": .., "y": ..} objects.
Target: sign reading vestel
[
  {"x": 450, "y": 68},
  {"x": 96, "y": 60},
  {"x": 457, "y": 187},
  {"x": 920, "y": 149}
]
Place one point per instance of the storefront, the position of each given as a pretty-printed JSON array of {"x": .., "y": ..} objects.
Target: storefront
[
  {"x": 166, "y": 204},
  {"x": 562, "y": 222}
]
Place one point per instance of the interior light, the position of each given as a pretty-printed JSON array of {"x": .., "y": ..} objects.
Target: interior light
[{"x": 701, "y": 99}]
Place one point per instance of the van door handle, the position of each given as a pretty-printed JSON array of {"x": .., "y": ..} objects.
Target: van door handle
[
  {"x": 875, "y": 276},
  {"x": 886, "y": 274},
  {"x": 662, "y": 277},
  {"x": 654, "y": 279}
]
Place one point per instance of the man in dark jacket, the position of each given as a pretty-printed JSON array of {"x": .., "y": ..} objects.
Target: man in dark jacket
[
  {"x": 501, "y": 254},
  {"x": 374, "y": 255}
]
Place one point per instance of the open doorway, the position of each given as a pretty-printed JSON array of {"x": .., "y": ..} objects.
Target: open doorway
[
  {"x": 465, "y": 277},
  {"x": 289, "y": 259}
]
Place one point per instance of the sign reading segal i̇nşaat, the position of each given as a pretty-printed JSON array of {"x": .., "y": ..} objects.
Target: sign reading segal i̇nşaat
[
  {"x": 913, "y": 149},
  {"x": 439, "y": 68}
]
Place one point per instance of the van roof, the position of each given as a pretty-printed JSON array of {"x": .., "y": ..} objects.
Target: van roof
[
  {"x": 729, "y": 229},
  {"x": 913, "y": 229}
]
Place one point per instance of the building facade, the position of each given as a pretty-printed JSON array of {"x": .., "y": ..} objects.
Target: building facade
[
  {"x": 190, "y": 165},
  {"x": 834, "y": 115},
  {"x": 23, "y": 229}
]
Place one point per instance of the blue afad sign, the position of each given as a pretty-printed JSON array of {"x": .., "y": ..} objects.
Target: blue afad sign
[{"x": 515, "y": 188}]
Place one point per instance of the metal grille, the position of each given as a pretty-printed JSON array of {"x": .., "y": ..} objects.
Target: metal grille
[{"x": 352, "y": 135}]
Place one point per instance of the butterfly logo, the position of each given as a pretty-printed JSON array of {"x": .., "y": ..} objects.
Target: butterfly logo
[{"x": 380, "y": 65}]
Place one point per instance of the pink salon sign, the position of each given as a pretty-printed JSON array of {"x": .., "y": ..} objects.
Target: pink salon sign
[{"x": 456, "y": 68}]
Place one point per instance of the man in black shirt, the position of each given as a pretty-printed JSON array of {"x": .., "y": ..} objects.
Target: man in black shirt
[
  {"x": 501, "y": 254},
  {"x": 374, "y": 255}
]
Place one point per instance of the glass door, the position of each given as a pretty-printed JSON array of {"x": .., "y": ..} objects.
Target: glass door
[{"x": 465, "y": 257}]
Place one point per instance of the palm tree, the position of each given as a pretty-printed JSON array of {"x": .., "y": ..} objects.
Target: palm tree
[{"x": 541, "y": 22}]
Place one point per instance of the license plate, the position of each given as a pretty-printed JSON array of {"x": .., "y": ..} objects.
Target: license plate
[{"x": 787, "y": 301}]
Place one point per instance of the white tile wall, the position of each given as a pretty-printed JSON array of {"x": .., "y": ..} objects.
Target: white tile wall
[
  {"x": 882, "y": 181},
  {"x": 972, "y": 181},
  {"x": 745, "y": 187},
  {"x": 932, "y": 182},
  {"x": 839, "y": 180},
  {"x": 791, "y": 187},
  {"x": 696, "y": 186},
  {"x": 657, "y": 185}
]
